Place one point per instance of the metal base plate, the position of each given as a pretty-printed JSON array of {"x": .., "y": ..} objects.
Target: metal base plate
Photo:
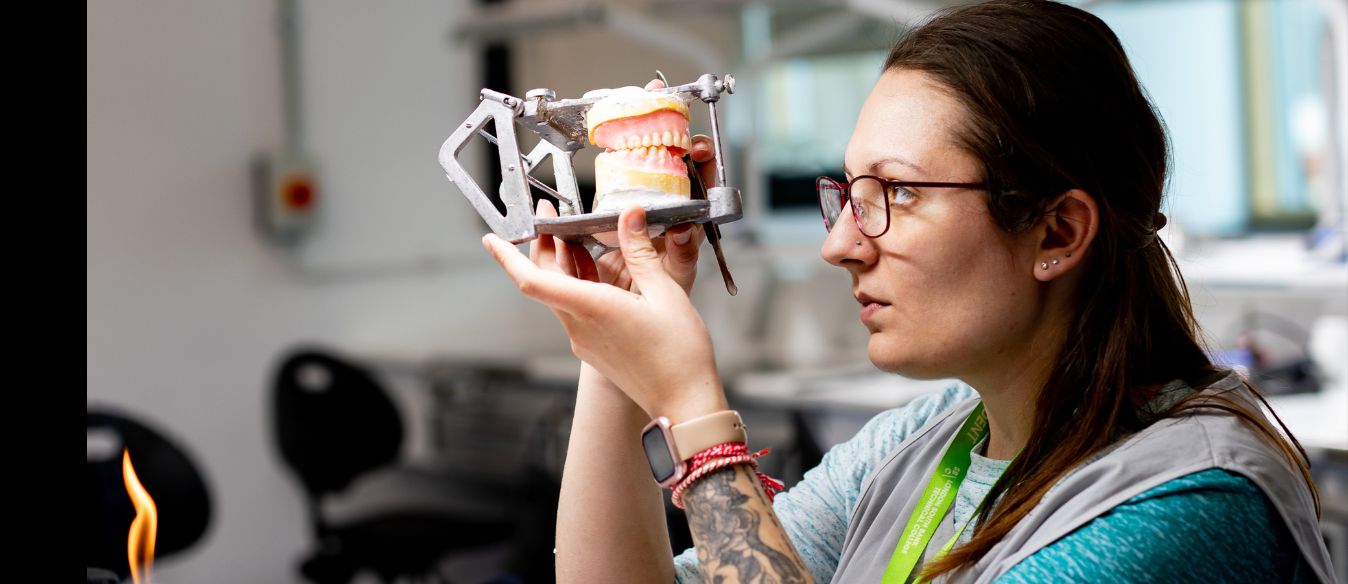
[{"x": 574, "y": 227}]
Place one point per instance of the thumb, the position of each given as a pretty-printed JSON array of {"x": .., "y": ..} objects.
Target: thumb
[{"x": 642, "y": 259}]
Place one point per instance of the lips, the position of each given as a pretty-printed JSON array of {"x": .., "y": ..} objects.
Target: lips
[
  {"x": 865, "y": 299},
  {"x": 869, "y": 305}
]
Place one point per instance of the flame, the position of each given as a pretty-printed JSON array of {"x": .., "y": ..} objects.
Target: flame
[{"x": 140, "y": 541}]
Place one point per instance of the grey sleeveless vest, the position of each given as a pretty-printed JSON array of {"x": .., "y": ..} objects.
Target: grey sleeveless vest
[{"x": 1168, "y": 449}]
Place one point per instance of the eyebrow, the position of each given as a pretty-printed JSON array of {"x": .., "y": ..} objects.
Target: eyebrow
[{"x": 875, "y": 166}]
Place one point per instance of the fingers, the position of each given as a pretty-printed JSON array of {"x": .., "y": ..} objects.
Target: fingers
[
  {"x": 704, "y": 159},
  {"x": 612, "y": 271},
  {"x": 682, "y": 244},
  {"x": 576, "y": 262},
  {"x": 585, "y": 266},
  {"x": 565, "y": 260},
  {"x": 545, "y": 209},
  {"x": 558, "y": 291},
  {"x": 543, "y": 249},
  {"x": 639, "y": 253},
  {"x": 703, "y": 149},
  {"x": 655, "y": 84}
]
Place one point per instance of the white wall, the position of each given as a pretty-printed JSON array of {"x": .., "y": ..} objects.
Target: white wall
[{"x": 187, "y": 308}]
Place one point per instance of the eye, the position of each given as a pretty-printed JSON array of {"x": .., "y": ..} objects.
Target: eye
[{"x": 900, "y": 195}]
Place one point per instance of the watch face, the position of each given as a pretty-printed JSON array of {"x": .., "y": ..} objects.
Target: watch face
[{"x": 658, "y": 454}]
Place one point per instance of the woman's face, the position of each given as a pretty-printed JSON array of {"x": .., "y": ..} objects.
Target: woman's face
[{"x": 945, "y": 292}]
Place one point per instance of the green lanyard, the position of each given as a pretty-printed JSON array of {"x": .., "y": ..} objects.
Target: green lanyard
[{"x": 936, "y": 498}]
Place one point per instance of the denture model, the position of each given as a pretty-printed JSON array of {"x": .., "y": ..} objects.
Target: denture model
[{"x": 644, "y": 136}]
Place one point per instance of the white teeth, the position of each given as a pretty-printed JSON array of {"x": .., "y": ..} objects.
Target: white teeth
[
  {"x": 647, "y": 151},
  {"x": 662, "y": 140}
]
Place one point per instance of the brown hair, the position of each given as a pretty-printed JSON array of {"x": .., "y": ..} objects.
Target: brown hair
[{"x": 1052, "y": 104}]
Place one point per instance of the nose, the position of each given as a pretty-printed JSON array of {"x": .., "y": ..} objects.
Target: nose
[{"x": 845, "y": 245}]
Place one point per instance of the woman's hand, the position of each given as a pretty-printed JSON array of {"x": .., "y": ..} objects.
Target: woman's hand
[
  {"x": 648, "y": 340},
  {"x": 678, "y": 249}
]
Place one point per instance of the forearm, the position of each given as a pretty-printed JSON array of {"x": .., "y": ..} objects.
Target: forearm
[
  {"x": 610, "y": 518},
  {"x": 737, "y": 534}
]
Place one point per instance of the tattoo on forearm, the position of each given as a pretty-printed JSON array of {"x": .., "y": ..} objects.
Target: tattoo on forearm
[{"x": 725, "y": 530}]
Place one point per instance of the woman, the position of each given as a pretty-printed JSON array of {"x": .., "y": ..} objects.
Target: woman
[{"x": 999, "y": 225}]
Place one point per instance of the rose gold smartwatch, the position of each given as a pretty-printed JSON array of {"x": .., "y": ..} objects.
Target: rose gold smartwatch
[{"x": 670, "y": 447}]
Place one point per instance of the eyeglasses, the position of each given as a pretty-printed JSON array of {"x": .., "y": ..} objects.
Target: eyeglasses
[{"x": 870, "y": 197}]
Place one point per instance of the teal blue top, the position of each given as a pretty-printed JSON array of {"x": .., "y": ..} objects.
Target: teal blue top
[{"x": 1209, "y": 526}]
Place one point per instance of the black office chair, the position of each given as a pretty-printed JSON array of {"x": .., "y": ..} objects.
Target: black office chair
[
  {"x": 333, "y": 423},
  {"x": 166, "y": 472}
]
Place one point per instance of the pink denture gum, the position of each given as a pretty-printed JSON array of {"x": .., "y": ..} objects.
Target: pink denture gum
[{"x": 660, "y": 128}]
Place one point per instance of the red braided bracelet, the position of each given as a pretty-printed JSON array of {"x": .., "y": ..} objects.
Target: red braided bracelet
[{"x": 719, "y": 457}]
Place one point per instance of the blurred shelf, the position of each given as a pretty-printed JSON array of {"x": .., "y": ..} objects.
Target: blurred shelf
[{"x": 1270, "y": 262}]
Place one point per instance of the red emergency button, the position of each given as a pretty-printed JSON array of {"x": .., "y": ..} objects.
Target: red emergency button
[{"x": 298, "y": 195}]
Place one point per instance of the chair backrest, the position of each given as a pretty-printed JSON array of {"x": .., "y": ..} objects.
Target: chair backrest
[
  {"x": 332, "y": 420},
  {"x": 164, "y": 469}
]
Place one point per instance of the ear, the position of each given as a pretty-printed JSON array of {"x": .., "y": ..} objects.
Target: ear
[{"x": 1068, "y": 229}]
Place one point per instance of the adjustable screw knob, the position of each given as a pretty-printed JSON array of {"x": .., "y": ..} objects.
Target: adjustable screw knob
[{"x": 543, "y": 92}]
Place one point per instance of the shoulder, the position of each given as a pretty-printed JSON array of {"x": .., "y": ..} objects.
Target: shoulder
[
  {"x": 897, "y": 424},
  {"x": 889, "y": 429},
  {"x": 1212, "y": 525},
  {"x": 851, "y": 464}
]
